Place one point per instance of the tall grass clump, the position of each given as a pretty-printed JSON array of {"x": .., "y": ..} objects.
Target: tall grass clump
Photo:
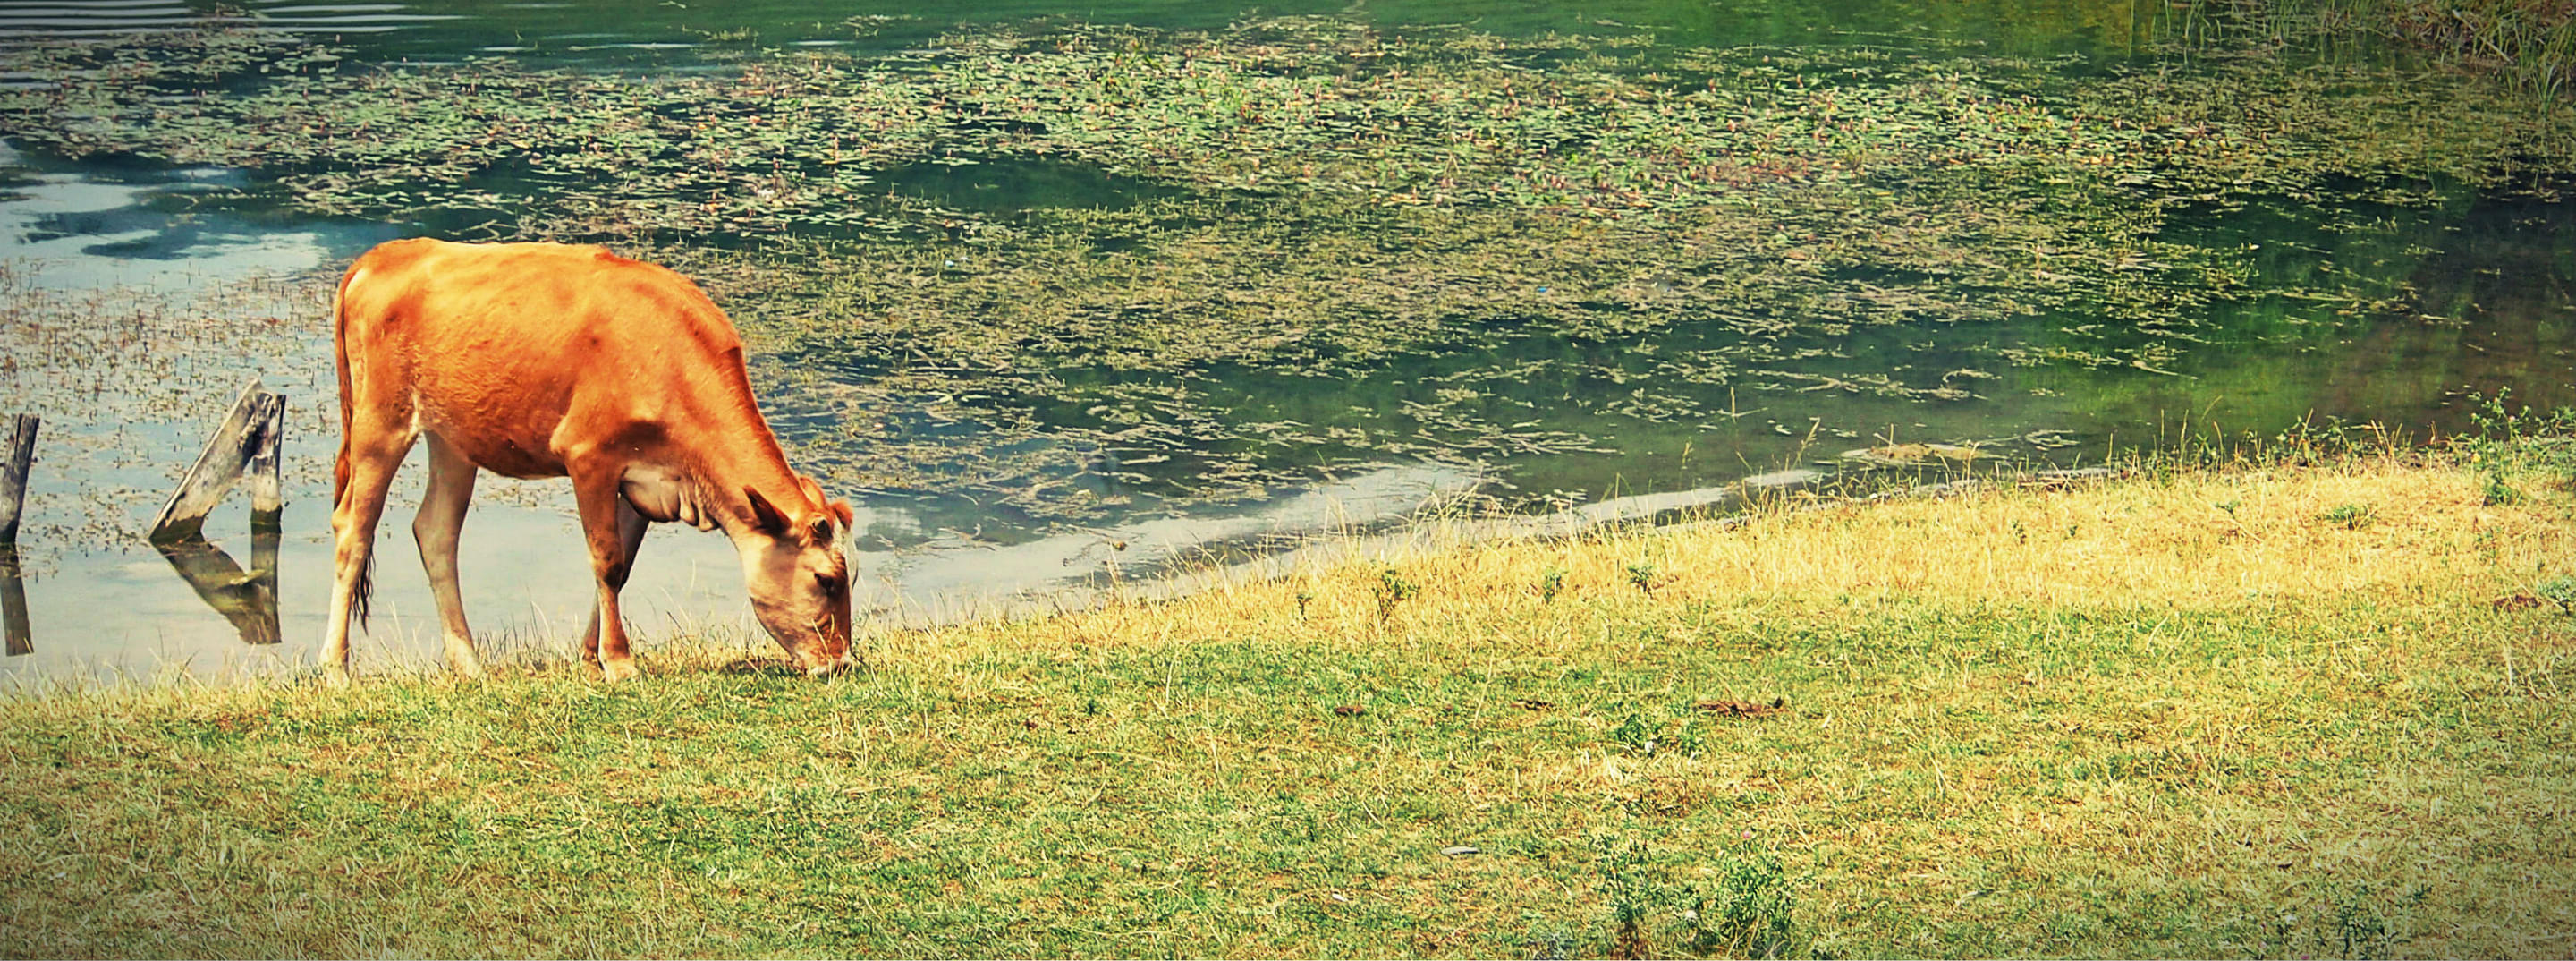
[{"x": 2530, "y": 42}]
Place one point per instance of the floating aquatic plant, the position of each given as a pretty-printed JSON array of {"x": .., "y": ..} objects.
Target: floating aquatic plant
[{"x": 1298, "y": 244}]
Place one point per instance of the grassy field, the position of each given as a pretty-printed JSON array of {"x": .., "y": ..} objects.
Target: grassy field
[{"x": 2255, "y": 711}]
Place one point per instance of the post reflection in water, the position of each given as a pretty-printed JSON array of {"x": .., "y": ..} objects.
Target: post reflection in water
[
  {"x": 246, "y": 598},
  {"x": 13, "y": 604}
]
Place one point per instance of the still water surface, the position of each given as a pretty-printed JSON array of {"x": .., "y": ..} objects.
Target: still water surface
[{"x": 144, "y": 310}]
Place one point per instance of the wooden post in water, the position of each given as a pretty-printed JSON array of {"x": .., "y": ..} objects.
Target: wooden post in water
[
  {"x": 267, "y": 503},
  {"x": 13, "y": 603},
  {"x": 15, "y": 456},
  {"x": 247, "y": 438},
  {"x": 267, "y": 496}
]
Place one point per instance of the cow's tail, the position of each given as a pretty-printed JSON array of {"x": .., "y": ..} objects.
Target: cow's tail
[{"x": 340, "y": 465}]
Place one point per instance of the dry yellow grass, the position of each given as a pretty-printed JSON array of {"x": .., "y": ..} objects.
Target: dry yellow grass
[{"x": 2194, "y": 541}]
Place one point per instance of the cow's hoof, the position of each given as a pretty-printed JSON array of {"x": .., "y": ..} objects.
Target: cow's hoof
[
  {"x": 462, "y": 660},
  {"x": 615, "y": 671}
]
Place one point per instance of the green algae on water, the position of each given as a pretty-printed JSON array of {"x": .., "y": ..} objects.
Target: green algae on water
[{"x": 1069, "y": 269}]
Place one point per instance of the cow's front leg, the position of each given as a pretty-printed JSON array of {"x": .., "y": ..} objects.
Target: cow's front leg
[{"x": 615, "y": 533}]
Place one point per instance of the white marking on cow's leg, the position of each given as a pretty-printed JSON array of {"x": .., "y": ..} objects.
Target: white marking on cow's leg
[
  {"x": 442, "y": 517},
  {"x": 373, "y": 454},
  {"x": 615, "y": 533}
]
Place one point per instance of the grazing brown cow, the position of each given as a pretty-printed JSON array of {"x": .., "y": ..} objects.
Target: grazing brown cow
[{"x": 542, "y": 360}]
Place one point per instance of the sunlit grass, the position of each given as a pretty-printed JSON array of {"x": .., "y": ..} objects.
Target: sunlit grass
[{"x": 2173, "y": 716}]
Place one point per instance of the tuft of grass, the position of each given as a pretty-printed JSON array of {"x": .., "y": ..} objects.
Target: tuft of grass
[
  {"x": 1631, "y": 894},
  {"x": 1641, "y": 574},
  {"x": 1747, "y": 911},
  {"x": 2530, "y": 44},
  {"x": 2496, "y": 491},
  {"x": 2351, "y": 517},
  {"x": 2559, "y": 590},
  {"x": 1392, "y": 589},
  {"x": 2513, "y": 443},
  {"x": 2088, "y": 721},
  {"x": 2355, "y": 921},
  {"x": 1551, "y": 582}
]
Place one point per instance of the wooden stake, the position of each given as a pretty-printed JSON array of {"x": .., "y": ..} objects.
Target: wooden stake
[
  {"x": 267, "y": 496},
  {"x": 13, "y": 603},
  {"x": 255, "y": 415},
  {"x": 14, "y": 458}
]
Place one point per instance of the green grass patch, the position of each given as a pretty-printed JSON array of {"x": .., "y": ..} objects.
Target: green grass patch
[{"x": 1463, "y": 765}]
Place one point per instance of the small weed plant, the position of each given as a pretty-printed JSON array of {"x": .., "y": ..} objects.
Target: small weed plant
[
  {"x": 1637, "y": 736},
  {"x": 1746, "y": 909},
  {"x": 1630, "y": 887},
  {"x": 1642, "y": 574},
  {"x": 2559, "y": 590},
  {"x": 1392, "y": 589},
  {"x": 2351, "y": 517},
  {"x": 2357, "y": 921},
  {"x": 1745, "y": 912},
  {"x": 2512, "y": 442}
]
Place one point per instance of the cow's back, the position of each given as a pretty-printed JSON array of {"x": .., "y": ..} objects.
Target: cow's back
[{"x": 496, "y": 347}]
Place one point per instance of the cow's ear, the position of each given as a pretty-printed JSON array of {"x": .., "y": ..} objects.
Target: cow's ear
[{"x": 764, "y": 515}]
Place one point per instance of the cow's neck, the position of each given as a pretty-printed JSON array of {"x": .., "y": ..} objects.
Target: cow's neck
[
  {"x": 704, "y": 486},
  {"x": 720, "y": 477}
]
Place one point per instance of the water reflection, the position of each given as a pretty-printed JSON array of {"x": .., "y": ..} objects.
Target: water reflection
[
  {"x": 13, "y": 604},
  {"x": 81, "y": 228},
  {"x": 247, "y": 598},
  {"x": 619, "y": 35}
]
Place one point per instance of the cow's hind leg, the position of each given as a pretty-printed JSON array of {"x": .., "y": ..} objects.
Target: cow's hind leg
[
  {"x": 441, "y": 518},
  {"x": 615, "y": 533},
  {"x": 371, "y": 449}
]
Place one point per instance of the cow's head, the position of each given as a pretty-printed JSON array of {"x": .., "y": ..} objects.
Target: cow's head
[{"x": 799, "y": 583}]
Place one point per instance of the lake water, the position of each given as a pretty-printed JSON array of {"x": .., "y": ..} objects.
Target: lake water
[{"x": 1232, "y": 364}]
